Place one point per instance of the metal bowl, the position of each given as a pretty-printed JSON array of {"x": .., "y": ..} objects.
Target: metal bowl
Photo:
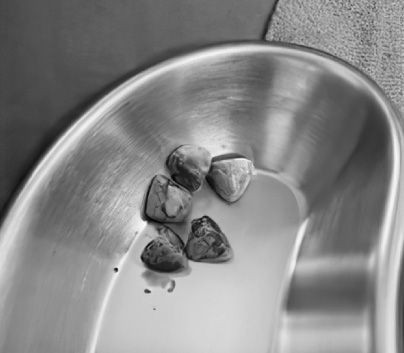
[{"x": 315, "y": 122}]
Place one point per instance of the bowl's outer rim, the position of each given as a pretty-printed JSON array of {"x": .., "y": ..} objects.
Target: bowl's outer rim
[
  {"x": 115, "y": 94},
  {"x": 91, "y": 115}
]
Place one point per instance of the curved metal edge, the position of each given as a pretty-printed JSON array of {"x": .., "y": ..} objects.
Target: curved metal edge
[
  {"x": 391, "y": 245},
  {"x": 389, "y": 298},
  {"x": 123, "y": 89}
]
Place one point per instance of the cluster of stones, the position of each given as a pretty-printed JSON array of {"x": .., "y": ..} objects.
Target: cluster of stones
[{"x": 170, "y": 201}]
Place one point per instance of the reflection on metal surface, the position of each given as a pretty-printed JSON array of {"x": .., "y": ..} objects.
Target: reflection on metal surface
[
  {"x": 320, "y": 126},
  {"x": 226, "y": 308}
]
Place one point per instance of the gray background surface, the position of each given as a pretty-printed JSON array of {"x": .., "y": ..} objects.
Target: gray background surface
[{"x": 57, "y": 57}]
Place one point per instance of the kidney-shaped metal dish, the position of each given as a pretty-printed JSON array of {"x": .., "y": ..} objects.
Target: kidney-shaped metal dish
[{"x": 314, "y": 122}]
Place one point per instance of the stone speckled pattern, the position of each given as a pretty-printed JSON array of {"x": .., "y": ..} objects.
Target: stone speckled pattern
[
  {"x": 207, "y": 242},
  {"x": 188, "y": 166},
  {"x": 165, "y": 252},
  {"x": 230, "y": 177},
  {"x": 167, "y": 201}
]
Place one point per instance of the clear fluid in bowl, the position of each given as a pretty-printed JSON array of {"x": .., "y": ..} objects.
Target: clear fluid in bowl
[{"x": 212, "y": 308}]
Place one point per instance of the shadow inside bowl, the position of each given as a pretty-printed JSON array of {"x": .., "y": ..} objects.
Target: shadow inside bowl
[{"x": 312, "y": 122}]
